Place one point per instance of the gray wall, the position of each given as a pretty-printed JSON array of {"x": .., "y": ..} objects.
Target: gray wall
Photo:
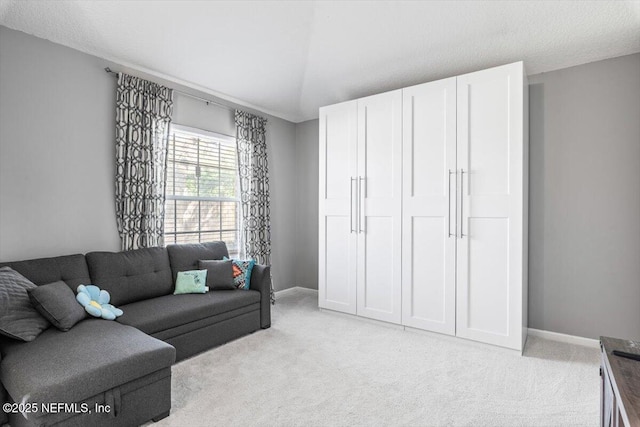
[
  {"x": 307, "y": 203},
  {"x": 584, "y": 242},
  {"x": 584, "y": 222},
  {"x": 57, "y": 131}
]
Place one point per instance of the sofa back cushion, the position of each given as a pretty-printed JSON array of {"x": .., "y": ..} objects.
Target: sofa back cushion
[
  {"x": 71, "y": 269},
  {"x": 19, "y": 319},
  {"x": 131, "y": 276},
  {"x": 185, "y": 257}
]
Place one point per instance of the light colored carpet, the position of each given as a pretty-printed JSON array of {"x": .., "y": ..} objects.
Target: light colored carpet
[{"x": 321, "y": 368}]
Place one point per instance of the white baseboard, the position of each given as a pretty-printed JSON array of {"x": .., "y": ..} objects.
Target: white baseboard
[
  {"x": 571, "y": 339},
  {"x": 295, "y": 289},
  {"x": 554, "y": 336}
]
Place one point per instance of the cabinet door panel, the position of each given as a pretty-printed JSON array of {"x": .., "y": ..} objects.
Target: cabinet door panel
[
  {"x": 426, "y": 293},
  {"x": 488, "y": 275},
  {"x": 338, "y": 153},
  {"x": 337, "y": 207},
  {"x": 488, "y": 135},
  {"x": 377, "y": 147},
  {"x": 490, "y": 151},
  {"x": 428, "y": 215},
  {"x": 380, "y": 197},
  {"x": 337, "y": 260},
  {"x": 378, "y": 292}
]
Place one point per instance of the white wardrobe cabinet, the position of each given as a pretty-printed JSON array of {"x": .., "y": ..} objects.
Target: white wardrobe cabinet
[
  {"x": 338, "y": 220},
  {"x": 429, "y": 207},
  {"x": 426, "y": 189},
  {"x": 360, "y": 207},
  {"x": 379, "y": 277},
  {"x": 491, "y": 253}
]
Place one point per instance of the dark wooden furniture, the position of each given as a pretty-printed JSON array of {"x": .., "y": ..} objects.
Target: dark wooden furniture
[{"x": 620, "y": 384}]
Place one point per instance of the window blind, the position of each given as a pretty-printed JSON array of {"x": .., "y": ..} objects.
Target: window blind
[{"x": 202, "y": 195}]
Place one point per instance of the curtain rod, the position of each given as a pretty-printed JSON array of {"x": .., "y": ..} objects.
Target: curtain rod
[{"x": 199, "y": 98}]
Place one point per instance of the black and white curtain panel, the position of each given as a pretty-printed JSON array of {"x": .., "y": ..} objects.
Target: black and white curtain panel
[
  {"x": 143, "y": 117},
  {"x": 254, "y": 187}
]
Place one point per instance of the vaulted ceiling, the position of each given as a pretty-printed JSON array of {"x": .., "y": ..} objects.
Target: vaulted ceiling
[{"x": 289, "y": 58}]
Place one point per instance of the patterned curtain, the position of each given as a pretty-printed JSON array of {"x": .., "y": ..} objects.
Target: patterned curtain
[
  {"x": 143, "y": 117},
  {"x": 254, "y": 187}
]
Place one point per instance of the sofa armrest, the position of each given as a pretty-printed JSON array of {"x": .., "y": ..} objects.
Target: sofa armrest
[
  {"x": 261, "y": 282},
  {"x": 4, "y": 417}
]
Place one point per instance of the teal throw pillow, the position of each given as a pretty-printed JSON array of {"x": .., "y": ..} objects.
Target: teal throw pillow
[
  {"x": 242, "y": 272},
  {"x": 191, "y": 282}
]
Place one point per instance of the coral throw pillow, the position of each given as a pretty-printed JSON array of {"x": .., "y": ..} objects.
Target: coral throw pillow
[{"x": 242, "y": 272}]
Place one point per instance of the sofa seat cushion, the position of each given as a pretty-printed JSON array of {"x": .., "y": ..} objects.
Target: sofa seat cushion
[
  {"x": 170, "y": 311},
  {"x": 93, "y": 357}
]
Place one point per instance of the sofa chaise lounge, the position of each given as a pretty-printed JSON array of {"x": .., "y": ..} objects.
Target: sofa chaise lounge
[{"x": 124, "y": 364}]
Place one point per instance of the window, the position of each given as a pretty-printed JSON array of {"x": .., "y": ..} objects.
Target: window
[{"x": 202, "y": 196}]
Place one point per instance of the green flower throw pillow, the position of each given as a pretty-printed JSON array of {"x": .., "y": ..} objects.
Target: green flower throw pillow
[
  {"x": 242, "y": 272},
  {"x": 191, "y": 282}
]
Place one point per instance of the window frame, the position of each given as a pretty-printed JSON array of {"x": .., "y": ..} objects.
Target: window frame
[{"x": 171, "y": 196}]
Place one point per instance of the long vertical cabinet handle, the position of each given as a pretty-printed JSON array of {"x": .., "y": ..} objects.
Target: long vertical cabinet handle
[
  {"x": 361, "y": 205},
  {"x": 462, "y": 172},
  {"x": 449, "y": 206},
  {"x": 352, "y": 217}
]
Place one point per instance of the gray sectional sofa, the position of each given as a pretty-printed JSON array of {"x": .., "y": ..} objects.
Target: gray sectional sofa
[{"x": 125, "y": 364}]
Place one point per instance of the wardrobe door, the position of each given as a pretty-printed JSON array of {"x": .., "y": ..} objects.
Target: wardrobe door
[
  {"x": 428, "y": 206},
  {"x": 338, "y": 207},
  {"x": 380, "y": 198},
  {"x": 490, "y": 248}
]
